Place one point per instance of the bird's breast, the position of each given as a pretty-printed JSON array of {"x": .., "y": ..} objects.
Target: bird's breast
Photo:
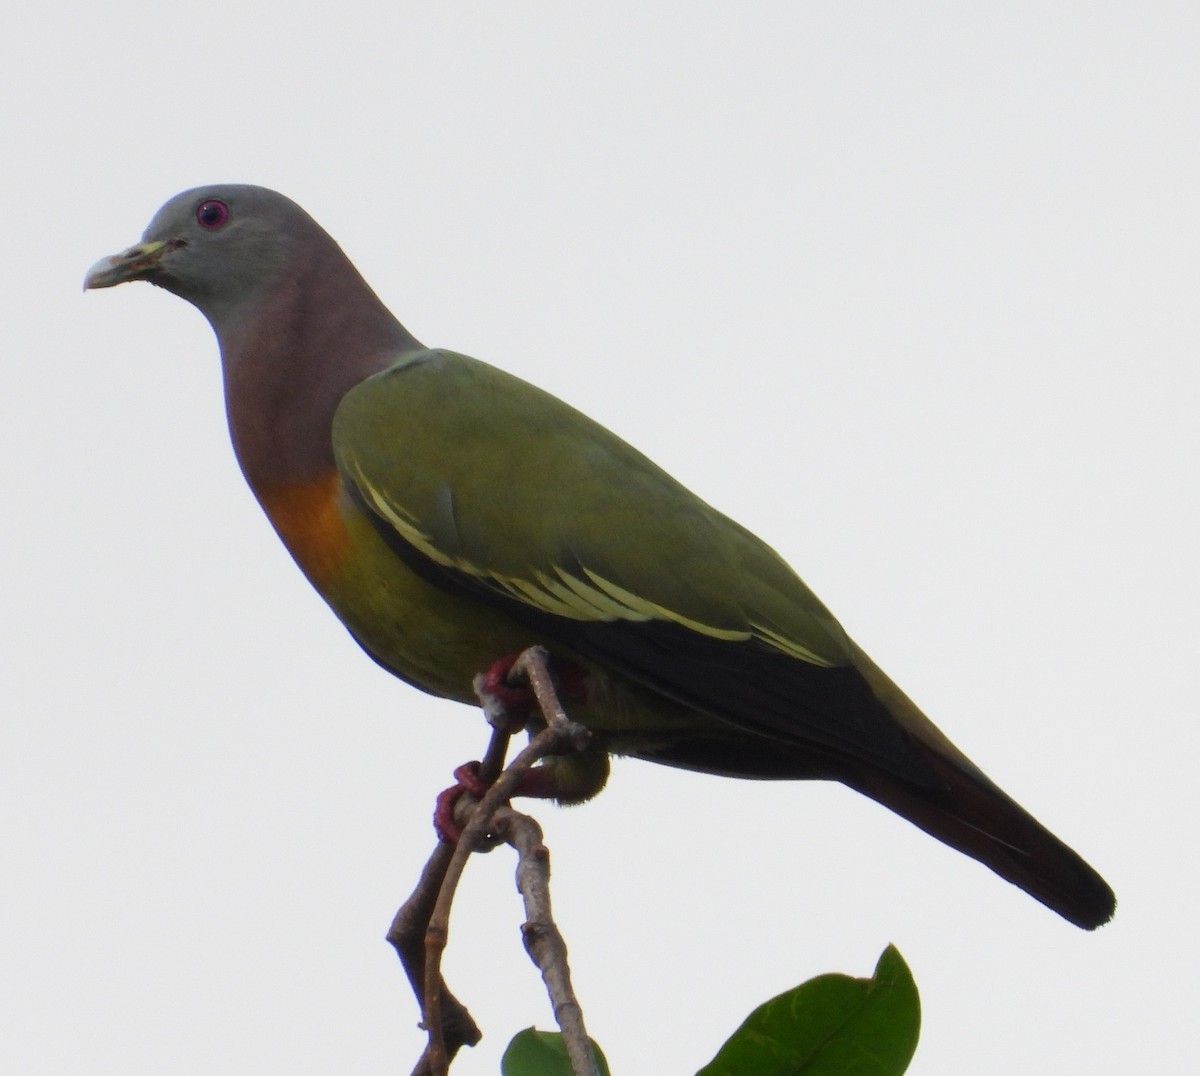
[{"x": 308, "y": 518}]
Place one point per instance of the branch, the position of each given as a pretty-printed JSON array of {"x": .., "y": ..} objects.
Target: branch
[
  {"x": 543, "y": 940},
  {"x": 407, "y": 935},
  {"x": 420, "y": 929}
]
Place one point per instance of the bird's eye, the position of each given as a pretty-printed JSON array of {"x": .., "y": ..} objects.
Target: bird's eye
[{"x": 212, "y": 214}]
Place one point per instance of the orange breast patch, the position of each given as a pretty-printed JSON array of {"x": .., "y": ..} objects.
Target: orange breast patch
[{"x": 311, "y": 526}]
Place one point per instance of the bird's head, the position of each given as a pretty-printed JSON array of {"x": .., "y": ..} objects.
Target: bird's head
[{"x": 218, "y": 247}]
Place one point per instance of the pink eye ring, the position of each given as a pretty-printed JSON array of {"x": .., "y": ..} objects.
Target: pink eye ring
[{"x": 211, "y": 214}]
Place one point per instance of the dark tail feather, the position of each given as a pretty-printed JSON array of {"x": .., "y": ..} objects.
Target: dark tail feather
[{"x": 974, "y": 816}]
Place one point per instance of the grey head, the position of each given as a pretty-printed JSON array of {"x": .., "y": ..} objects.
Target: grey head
[{"x": 221, "y": 247}]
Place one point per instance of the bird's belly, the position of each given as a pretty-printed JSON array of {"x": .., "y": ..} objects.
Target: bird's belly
[{"x": 425, "y": 635}]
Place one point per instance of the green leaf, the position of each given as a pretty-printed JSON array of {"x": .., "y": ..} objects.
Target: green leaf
[
  {"x": 542, "y": 1053},
  {"x": 830, "y": 1026}
]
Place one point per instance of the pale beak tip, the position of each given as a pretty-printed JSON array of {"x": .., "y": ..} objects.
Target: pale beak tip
[{"x": 100, "y": 275}]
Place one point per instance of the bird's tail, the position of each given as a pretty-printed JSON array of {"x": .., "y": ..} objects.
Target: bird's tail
[
  {"x": 967, "y": 811},
  {"x": 973, "y": 815}
]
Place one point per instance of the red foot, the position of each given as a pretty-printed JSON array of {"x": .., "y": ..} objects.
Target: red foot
[
  {"x": 509, "y": 705},
  {"x": 468, "y": 782},
  {"x": 537, "y": 783}
]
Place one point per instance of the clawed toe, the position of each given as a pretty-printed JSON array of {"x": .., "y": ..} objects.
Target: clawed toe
[{"x": 468, "y": 782}]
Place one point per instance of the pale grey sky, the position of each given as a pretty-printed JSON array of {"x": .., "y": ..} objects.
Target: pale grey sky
[{"x": 908, "y": 289}]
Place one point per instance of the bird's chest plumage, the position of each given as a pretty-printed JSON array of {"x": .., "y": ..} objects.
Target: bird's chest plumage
[{"x": 308, "y": 519}]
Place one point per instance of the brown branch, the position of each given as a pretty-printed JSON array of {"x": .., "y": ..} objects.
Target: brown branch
[
  {"x": 543, "y": 940},
  {"x": 407, "y": 932},
  {"x": 407, "y": 935},
  {"x": 420, "y": 929}
]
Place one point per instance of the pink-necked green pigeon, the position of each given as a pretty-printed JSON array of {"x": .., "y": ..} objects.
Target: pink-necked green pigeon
[{"x": 452, "y": 514}]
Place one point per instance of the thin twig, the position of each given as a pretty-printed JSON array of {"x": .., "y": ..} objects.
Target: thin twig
[
  {"x": 407, "y": 936},
  {"x": 543, "y": 940},
  {"x": 535, "y": 664},
  {"x": 407, "y": 932},
  {"x": 494, "y": 756}
]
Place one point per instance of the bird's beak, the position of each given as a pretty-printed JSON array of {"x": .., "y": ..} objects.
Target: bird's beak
[{"x": 136, "y": 263}]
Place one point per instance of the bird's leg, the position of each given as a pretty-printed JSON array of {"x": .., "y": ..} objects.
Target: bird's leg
[
  {"x": 508, "y": 694},
  {"x": 507, "y": 703},
  {"x": 517, "y": 692}
]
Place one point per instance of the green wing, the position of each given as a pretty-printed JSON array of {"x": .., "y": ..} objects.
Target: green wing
[{"x": 489, "y": 486}]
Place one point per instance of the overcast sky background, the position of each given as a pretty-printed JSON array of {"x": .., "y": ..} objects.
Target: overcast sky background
[{"x": 908, "y": 289}]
